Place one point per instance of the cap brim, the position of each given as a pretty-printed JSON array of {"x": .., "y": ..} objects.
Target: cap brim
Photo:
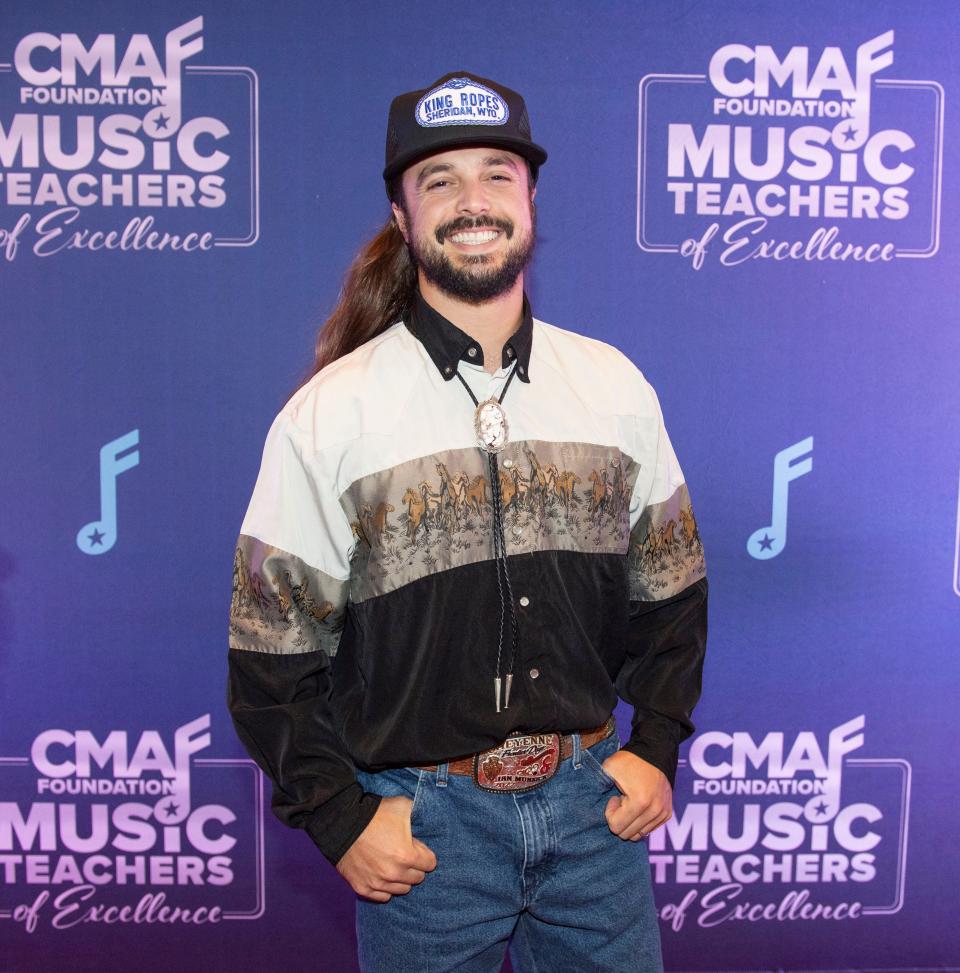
[{"x": 529, "y": 150}]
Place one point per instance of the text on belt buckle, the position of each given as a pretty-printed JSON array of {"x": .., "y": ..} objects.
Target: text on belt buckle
[{"x": 520, "y": 763}]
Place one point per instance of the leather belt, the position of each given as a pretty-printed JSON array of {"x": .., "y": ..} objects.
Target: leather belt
[{"x": 535, "y": 755}]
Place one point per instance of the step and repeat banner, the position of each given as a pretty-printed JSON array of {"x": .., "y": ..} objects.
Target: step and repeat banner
[{"x": 754, "y": 200}]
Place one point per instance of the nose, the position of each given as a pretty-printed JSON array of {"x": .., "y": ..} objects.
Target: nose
[{"x": 473, "y": 197}]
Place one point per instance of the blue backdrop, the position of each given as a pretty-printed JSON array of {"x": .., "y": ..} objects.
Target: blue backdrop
[{"x": 753, "y": 200}]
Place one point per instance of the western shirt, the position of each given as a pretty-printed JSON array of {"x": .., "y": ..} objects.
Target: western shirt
[{"x": 367, "y": 622}]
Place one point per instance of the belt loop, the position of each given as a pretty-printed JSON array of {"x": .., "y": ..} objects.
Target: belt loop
[
  {"x": 576, "y": 750},
  {"x": 442, "y": 770}
]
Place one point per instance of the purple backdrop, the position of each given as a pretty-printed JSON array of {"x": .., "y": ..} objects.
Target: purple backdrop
[{"x": 753, "y": 200}]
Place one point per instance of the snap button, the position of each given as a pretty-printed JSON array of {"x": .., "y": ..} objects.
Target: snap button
[
  {"x": 448, "y": 370},
  {"x": 508, "y": 464},
  {"x": 472, "y": 352},
  {"x": 524, "y": 601},
  {"x": 509, "y": 353},
  {"x": 534, "y": 673},
  {"x": 520, "y": 369}
]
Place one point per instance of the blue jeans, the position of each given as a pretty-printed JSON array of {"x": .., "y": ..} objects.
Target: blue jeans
[{"x": 540, "y": 867}]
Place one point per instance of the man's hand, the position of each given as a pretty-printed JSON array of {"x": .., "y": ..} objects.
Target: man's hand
[
  {"x": 647, "y": 800},
  {"x": 386, "y": 859}
]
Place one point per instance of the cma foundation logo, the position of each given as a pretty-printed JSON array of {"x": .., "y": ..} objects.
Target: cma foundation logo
[
  {"x": 120, "y": 828},
  {"x": 781, "y": 829},
  {"x": 112, "y": 143},
  {"x": 801, "y": 154}
]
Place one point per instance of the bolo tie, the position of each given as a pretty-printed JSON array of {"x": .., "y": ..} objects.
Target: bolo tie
[{"x": 490, "y": 425}]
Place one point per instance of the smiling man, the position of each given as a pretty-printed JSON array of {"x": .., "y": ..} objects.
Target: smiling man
[
  {"x": 445, "y": 236},
  {"x": 470, "y": 534}
]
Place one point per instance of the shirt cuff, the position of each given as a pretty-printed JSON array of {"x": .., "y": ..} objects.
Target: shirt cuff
[
  {"x": 654, "y": 740},
  {"x": 337, "y": 824}
]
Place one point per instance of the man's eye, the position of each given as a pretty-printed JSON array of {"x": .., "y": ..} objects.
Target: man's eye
[{"x": 438, "y": 184}]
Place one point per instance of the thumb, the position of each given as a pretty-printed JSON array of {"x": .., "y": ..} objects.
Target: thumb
[
  {"x": 613, "y": 805},
  {"x": 426, "y": 859}
]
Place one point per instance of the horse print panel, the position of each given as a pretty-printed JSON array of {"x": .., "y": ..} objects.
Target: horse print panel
[
  {"x": 282, "y": 605},
  {"x": 435, "y": 512},
  {"x": 666, "y": 554}
]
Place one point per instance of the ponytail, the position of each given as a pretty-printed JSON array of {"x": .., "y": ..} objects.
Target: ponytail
[{"x": 378, "y": 290}]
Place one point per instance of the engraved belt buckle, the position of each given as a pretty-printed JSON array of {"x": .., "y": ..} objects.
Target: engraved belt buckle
[{"x": 520, "y": 763}]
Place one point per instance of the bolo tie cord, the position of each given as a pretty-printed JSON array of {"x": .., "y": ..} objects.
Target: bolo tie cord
[{"x": 500, "y": 560}]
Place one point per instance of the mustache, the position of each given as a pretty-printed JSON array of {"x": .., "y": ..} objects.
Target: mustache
[{"x": 472, "y": 223}]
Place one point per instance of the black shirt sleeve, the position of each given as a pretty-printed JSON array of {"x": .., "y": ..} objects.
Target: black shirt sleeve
[
  {"x": 667, "y": 633},
  {"x": 286, "y": 618},
  {"x": 662, "y": 674},
  {"x": 280, "y": 712}
]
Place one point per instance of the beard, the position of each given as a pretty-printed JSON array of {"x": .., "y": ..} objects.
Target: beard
[{"x": 476, "y": 278}]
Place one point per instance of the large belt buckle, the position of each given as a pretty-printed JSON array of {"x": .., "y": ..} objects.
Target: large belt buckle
[{"x": 520, "y": 763}]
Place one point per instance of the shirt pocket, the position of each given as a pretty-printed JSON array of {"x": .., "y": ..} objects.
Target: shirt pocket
[{"x": 596, "y": 482}]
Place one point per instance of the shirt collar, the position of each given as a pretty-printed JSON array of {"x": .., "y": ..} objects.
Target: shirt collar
[{"x": 447, "y": 345}]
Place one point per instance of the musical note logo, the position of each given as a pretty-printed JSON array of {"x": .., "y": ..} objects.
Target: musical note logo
[
  {"x": 769, "y": 541},
  {"x": 176, "y": 804},
  {"x": 844, "y": 739},
  {"x": 99, "y": 536},
  {"x": 164, "y": 120},
  {"x": 851, "y": 133}
]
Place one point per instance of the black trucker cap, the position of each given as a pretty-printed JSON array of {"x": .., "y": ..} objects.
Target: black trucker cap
[{"x": 458, "y": 110}]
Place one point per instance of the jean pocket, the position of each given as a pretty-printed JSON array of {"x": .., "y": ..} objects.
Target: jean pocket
[
  {"x": 418, "y": 793},
  {"x": 591, "y": 762},
  {"x": 395, "y": 782}
]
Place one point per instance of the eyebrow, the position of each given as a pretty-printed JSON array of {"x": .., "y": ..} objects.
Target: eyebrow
[
  {"x": 429, "y": 170},
  {"x": 501, "y": 160},
  {"x": 491, "y": 160}
]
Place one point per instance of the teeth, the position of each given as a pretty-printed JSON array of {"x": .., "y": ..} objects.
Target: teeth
[{"x": 474, "y": 236}]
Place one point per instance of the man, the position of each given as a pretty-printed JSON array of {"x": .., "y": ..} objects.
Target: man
[{"x": 468, "y": 535}]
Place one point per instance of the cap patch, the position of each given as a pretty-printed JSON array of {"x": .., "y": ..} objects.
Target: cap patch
[{"x": 461, "y": 101}]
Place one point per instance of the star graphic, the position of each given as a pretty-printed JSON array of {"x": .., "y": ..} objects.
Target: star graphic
[
  {"x": 171, "y": 808},
  {"x": 766, "y": 543},
  {"x": 820, "y": 807},
  {"x": 848, "y": 133},
  {"x": 95, "y": 538},
  {"x": 161, "y": 121}
]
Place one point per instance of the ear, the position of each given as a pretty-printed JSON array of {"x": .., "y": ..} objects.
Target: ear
[
  {"x": 533, "y": 193},
  {"x": 401, "y": 219}
]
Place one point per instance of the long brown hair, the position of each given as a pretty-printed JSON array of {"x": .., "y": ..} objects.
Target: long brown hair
[{"x": 377, "y": 290}]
